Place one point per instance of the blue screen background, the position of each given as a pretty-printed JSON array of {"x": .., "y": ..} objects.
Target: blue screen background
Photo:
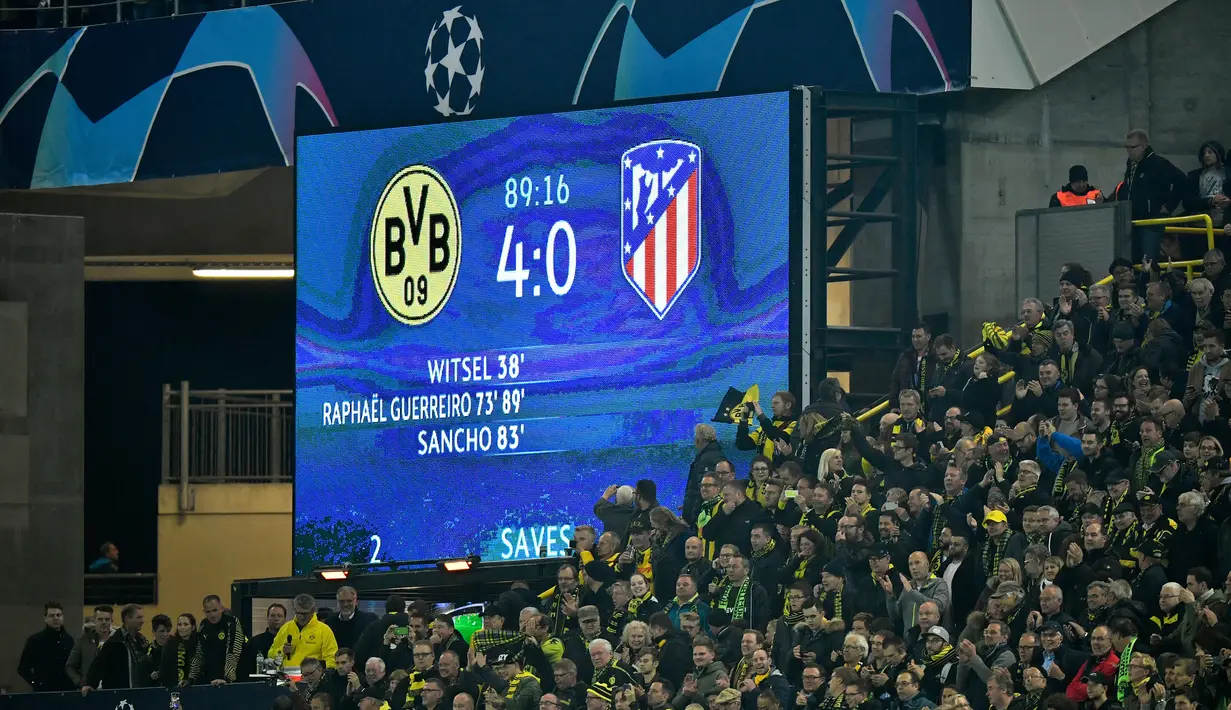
[{"x": 612, "y": 392}]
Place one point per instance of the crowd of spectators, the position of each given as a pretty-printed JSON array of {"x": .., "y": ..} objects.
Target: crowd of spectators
[
  {"x": 1046, "y": 524},
  {"x": 1157, "y": 189}
]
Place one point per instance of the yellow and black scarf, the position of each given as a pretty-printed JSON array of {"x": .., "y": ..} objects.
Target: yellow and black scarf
[
  {"x": 758, "y": 554},
  {"x": 516, "y": 681},
  {"x": 993, "y": 553},
  {"x": 734, "y": 600},
  {"x": 635, "y": 603},
  {"x": 709, "y": 509},
  {"x": 833, "y": 601}
]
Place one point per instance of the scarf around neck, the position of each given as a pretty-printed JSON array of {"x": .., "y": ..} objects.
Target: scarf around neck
[
  {"x": 758, "y": 554},
  {"x": 734, "y": 600}
]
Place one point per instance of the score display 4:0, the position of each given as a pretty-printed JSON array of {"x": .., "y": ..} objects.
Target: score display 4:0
[
  {"x": 554, "y": 192},
  {"x": 519, "y": 274}
]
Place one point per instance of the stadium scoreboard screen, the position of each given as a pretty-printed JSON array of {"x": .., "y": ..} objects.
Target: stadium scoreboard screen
[{"x": 497, "y": 319}]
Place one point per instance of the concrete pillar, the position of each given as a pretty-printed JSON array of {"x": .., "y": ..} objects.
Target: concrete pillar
[{"x": 42, "y": 339}]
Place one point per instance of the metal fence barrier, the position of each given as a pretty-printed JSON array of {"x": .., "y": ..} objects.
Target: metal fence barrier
[
  {"x": 226, "y": 436},
  {"x": 132, "y": 588},
  {"x": 48, "y": 14}
]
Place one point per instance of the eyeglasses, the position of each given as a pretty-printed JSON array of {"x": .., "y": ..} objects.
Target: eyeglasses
[
  {"x": 425, "y": 654},
  {"x": 812, "y": 676}
]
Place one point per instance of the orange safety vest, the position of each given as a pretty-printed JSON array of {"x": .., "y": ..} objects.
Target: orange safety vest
[{"x": 1069, "y": 199}]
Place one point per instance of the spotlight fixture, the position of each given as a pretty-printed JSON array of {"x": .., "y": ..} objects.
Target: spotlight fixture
[
  {"x": 333, "y": 574},
  {"x": 464, "y": 564}
]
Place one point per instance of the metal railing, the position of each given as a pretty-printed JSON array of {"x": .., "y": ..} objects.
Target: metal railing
[
  {"x": 226, "y": 436},
  {"x": 49, "y": 14},
  {"x": 125, "y": 588}
]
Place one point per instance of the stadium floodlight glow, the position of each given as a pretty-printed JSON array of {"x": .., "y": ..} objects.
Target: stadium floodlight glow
[
  {"x": 460, "y": 565},
  {"x": 244, "y": 273}
]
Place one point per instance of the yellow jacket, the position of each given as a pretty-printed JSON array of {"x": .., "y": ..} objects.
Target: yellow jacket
[{"x": 315, "y": 640}]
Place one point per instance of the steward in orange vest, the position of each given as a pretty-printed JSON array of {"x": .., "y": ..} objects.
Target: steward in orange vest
[{"x": 1078, "y": 191}]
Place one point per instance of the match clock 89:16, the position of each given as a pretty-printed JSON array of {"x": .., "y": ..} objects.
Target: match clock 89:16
[{"x": 416, "y": 244}]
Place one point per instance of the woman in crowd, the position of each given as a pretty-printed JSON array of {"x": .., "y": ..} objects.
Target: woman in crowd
[
  {"x": 636, "y": 638},
  {"x": 1010, "y": 571},
  {"x": 177, "y": 656},
  {"x": 758, "y": 474},
  {"x": 643, "y": 604},
  {"x": 981, "y": 393},
  {"x": 1139, "y": 388}
]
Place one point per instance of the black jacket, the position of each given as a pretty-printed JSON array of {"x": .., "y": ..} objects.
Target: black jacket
[
  {"x": 43, "y": 659},
  {"x": 968, "y": 583},
  {"x": 219, "y": 650},
  {"x": 705, "y": 462},
  {"x": 372, "y": 639},
  {"x": 735, "y": 528},
  {"x": 118, "y": 663},
  {"x": 982, "y": 397},
  {"x": 1084, "y": 369},
  {"x": 675, "y": 657},
  {"x": 347, "y": 632},
  {"x": 1151, "y": 185}
]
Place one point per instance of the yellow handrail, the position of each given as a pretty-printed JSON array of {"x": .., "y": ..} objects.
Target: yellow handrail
[
  {"x": 880, "y": 408},
  {"x": 1202, "y": 218}
]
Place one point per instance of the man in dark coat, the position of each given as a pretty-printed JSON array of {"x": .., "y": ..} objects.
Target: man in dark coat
[
  {"x": 709, "y": 453},
  {"x": 46, "y": 652},
  {"x": 735, "y": 519},
  {"x": 220, "y": 646},
  {"x": 674, "y": 651},
  {"x": 349, "y": 621},
  {"x": 964, "y": 574},
  {"x": 372, "y": 638},
  {"x": 1153, "y": 185},
  {"x": 119, "y": 661}
]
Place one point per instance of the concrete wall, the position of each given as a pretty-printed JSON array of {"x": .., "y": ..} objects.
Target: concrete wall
[
  {"x": 1008, "y": 150},
  {"x": 252, "y": 212},
  {"x": 42, "y": 335}
]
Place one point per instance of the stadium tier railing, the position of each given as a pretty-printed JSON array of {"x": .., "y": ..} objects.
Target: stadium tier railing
[
  {"x": 226, "y": 436},
  {"x": 80, "y": 13}
]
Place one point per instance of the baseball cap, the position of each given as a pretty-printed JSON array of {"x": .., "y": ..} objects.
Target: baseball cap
[
  {"x": 1125, "y": 507},
  {"x": 1162, "y": 459},
  {"x": 502, "y": 659},
  {"x": 1116, "y": 475},
  {"x": 835, "y": 567},
  {"x": 728, "y": 695},
  {"x": 1101, "y": 678},
  {"x": 1051, "y": 627},
  {"x": 1150, "y": 499},
  {"x": 938, "y": 631},
  {"x": 1152, "y": 549},
  {"x": 1122, "y": 331},
  {"x": 995, "y": 516},
  {"x": 588, "y": 612},
  {"x": 879, "y": 551}
]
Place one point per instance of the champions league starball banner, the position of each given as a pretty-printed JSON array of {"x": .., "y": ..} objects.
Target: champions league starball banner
[{"x": 499, "y": 318}]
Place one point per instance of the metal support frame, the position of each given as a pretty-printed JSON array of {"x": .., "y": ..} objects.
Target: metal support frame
[
  {"x": 895, "y": 181},
  {"x": 483, "y": 582}
]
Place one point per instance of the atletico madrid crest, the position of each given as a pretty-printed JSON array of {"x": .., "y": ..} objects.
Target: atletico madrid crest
[{"x": 660, "y": 229}]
